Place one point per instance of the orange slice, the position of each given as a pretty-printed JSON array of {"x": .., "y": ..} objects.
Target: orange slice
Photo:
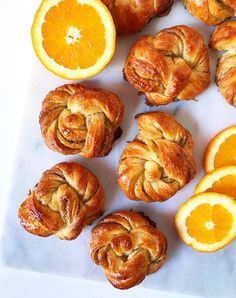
[
  {"x": 207, "y": 221},
  {"x": 75, "y": 39},
  {"x": 221, "y": 151},
  {"x": 221, "y": 180}
]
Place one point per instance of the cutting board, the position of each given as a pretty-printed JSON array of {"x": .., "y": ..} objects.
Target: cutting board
[{"x": 186, "y": 271}]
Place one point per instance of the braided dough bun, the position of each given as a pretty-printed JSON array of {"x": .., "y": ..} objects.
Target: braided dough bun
[
  {"x": 128, "y": 247},
  {"x": 131, "y": 15},
  {"x": 67, "y": 197},
  {"x": 173, "y": 65},
  {"x": 224, "y": 39},
  {"x": 211, "y": 12},
  {"x": 158, "y": 162},
  {"x": 78, "y": 120}
]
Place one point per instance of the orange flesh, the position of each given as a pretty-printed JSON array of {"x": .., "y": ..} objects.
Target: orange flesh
[
  {"x": 83, "y": 51},
  {"x": 226, "y": 185},
  {"x": 204, "y": 214},
  {"x": 226, "y": 154}
]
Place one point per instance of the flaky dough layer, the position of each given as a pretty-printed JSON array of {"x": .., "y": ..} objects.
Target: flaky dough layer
[
  {"x": 224, "y": 39},
  {"x": 159, "y": 161},
  {"x": 132, "y": 15},
  {"x": 66, "y": 198},
  {"x": 128, "y": 247},
  {"x": 172, "y": 65},
  {"x": 79, "y": 120}
]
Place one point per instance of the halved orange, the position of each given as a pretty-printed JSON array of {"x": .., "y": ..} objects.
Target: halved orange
[
  {"x": 221, "y": 151},
  {"x": 75, "y": 39},
  {"x": 207, "y": 221},
  {"x": 221, "y": 180}
]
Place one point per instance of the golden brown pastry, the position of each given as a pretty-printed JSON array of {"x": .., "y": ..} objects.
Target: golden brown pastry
[
  {"x": 78, "y": 120},
  {"x": 128, "y": 247},
  {"x": 67, "y": 197},
  {"x": 170, "y": 66},
  {"x": 158, "y": 162},
  {"x": 211, "y": 12},
  {"x": 132, "y": 15},
  {"x": 224, "y": 39}
]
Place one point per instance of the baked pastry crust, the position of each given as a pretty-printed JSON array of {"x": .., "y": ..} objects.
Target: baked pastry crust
[
  {"x": 158, "y": 162},
  {"x": 224, "y": 39},
  {"x": 173, "y": 65},
  {"x": 211, "y": 12},
  {"x": 127, "y": 247},
  {"x": 67, "y": 197},
  {"x": 131, "y": 15},
  {"x": 78, "y": 120}
]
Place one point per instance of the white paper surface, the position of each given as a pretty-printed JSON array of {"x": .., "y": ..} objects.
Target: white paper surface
[{"x": 186, "y": 271}]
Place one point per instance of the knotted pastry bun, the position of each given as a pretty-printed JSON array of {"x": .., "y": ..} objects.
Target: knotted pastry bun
[
  {"x": 67, "y": 197},
  {"x": 131, "y": 16},
  {"x": 224, "y": 39},
  {"x": 128, "y": 247},
  {"x": 78, "y": 120},
  {"x": 173, "y": 65},
  {"x": 158, "y": 162},
  {"x": 211, "y": 12}
]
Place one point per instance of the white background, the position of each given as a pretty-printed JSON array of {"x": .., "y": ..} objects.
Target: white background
[{"x": 15, "y": 50}]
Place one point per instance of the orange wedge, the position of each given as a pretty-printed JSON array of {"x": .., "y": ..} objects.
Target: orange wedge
[
  {"x": 221, "y": 180},
  {"x": 221, "y": 151},
  {"x": 207, "y": 221},
  {"x": 75, "y": 39}
]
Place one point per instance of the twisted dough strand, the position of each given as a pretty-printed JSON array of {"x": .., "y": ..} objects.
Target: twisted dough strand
[
  {"x": 172, "y": 65},
  {"x": 78, "y": 120},
  {"x": 158, "y": 162},
  {"x": 67, "y": 197},
  {"x": 224, "y": 39},
  {"x": 127, "y": 247},
  {"x": 211, "y": 12},
  {"x": 132, "y": 15}
]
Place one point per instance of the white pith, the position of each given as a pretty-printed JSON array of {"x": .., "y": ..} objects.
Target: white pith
[
  {"x": 210, "y": 225},
  {"x": 72, "y": 35}
]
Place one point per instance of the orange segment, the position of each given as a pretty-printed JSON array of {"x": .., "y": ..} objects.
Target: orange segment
[
  {"x": 221, "y": 180},
  {"x": 207, "y": 221},
  {"x": 221, "y": 151},
  {"x": 73, "y": 38}
]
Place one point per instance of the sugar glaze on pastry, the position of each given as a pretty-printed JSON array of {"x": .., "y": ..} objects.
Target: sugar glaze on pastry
[
  {"x": 172, "y": 65},
  {"x": 79, "y": 120},
  {"x": 128, "y": 247},
  {"x": 159, "y": 161},
  {"x": 66, "y": 198}
]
